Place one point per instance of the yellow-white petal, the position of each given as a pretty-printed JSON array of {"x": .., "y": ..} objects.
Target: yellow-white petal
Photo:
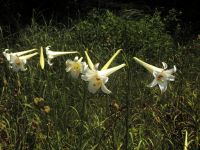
[
  {"x": 94, "y": 85},
  {"x": 55, "y": 54},
  {"x": 24, "y": 52},
  {"x": 164, "y": 65},
  {"x": 80, "y": 59},
  {"x": 149, "y": 67},
  {"x": 7, "y": 55},
  {"x": 163, "y": 86},
  {"x": 153, "y": 83},
  {"x": 111, "y": 60},
  {"x": 170, "y": 71},
  {"x": 109, "y": 71},
  {"x": 90, "y": 63},
  {"x": 28, "y": 56},
  {"x": 105, "y": 89},
  {"x": 41, "y": 58}
]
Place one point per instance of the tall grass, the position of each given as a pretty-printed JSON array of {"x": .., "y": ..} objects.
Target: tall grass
[{"x": 47, "y": 109}]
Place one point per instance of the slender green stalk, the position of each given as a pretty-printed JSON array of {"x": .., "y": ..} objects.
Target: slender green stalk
[
  {"x": 127, "y": 59},
  {"x": 84, "y": 103},
  {"x": 83, "y": 115},
  {"x": 127, "y": 107}
]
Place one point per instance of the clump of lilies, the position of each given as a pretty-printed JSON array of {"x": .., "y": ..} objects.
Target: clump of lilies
[{"x": 90, "y": 72}]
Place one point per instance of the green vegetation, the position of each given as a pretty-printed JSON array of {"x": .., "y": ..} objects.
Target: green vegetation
[{"x": 47, "y": 109}]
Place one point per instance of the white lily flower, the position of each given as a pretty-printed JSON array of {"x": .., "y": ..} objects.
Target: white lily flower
[
  {"x": 98, "y": 78},
  {"x": 7, "y": 55},
  {"x": 18, "y": 62},
  {"x": 76, "y": 67},
  {"x": 52, "y": 54},
  {"x": 161, "y": 75}
]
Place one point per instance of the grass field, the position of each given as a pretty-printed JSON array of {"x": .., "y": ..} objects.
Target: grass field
[{"x": 47, "y": 109}]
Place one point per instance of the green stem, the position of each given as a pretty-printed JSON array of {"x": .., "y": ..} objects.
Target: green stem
[
  {"x": 127, "y": 109},
  {"x": 83, "y": 116},
  {"x": 84, "y": 103}
]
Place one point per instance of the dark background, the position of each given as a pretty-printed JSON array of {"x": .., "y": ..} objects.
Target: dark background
[{"x": 17, "y": 14}]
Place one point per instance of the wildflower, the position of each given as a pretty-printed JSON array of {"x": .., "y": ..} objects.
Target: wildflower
[
  {"x": 18, "y": 62},
  {"x": 98, "y": 78},
  {"x": 52, "y": 54},
  {"x": 38, "y": 100},
  {"x": 75, "y": 67},
  {"x": 161, "y": 75},
  {"x": 46, "y": 109},
  {"x": 7, "y": 55}
]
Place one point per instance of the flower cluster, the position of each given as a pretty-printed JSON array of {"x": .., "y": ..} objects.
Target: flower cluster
[{"x": 90, "y": 72}]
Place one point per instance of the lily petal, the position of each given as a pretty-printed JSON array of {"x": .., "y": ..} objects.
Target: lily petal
[
  {"x": 164, "y": 65},
  {"x": 89, "y": 74},
  {"x": 75, "y": 74},
  {"x": 28, "y": 56},
  {"x": 152, "y": 84},
  {"x": 92, "y": 87},
  {"x": 163, "y": 86},
  {"x": 90, "y": 63},
  {"x": 155, "y": 73},
  {"x": 111, "y": 60},
  {"x": 105, "y": 89},
  {"x": 170, "y": 77},
  {"x": 55, "y": 54},
  {"x": 84, "y": 77},
  {"x": 68, "y": 69},
  {"x": 149, "y": 67},
  {"x": 96, "y": 66},
  {"x": 170, "y": 71},
  {"x": 24, "y": 52},
  {"x": 109, "y": 71},
  {"x": 84, "y": 67},
  {"x": 7, "y": 55},
  {"x": 49, "y": 61},
  {"x": 80, "y": 59},
  {"x": 76, "y": 58},
  {"x": 105, "y": 79}
]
